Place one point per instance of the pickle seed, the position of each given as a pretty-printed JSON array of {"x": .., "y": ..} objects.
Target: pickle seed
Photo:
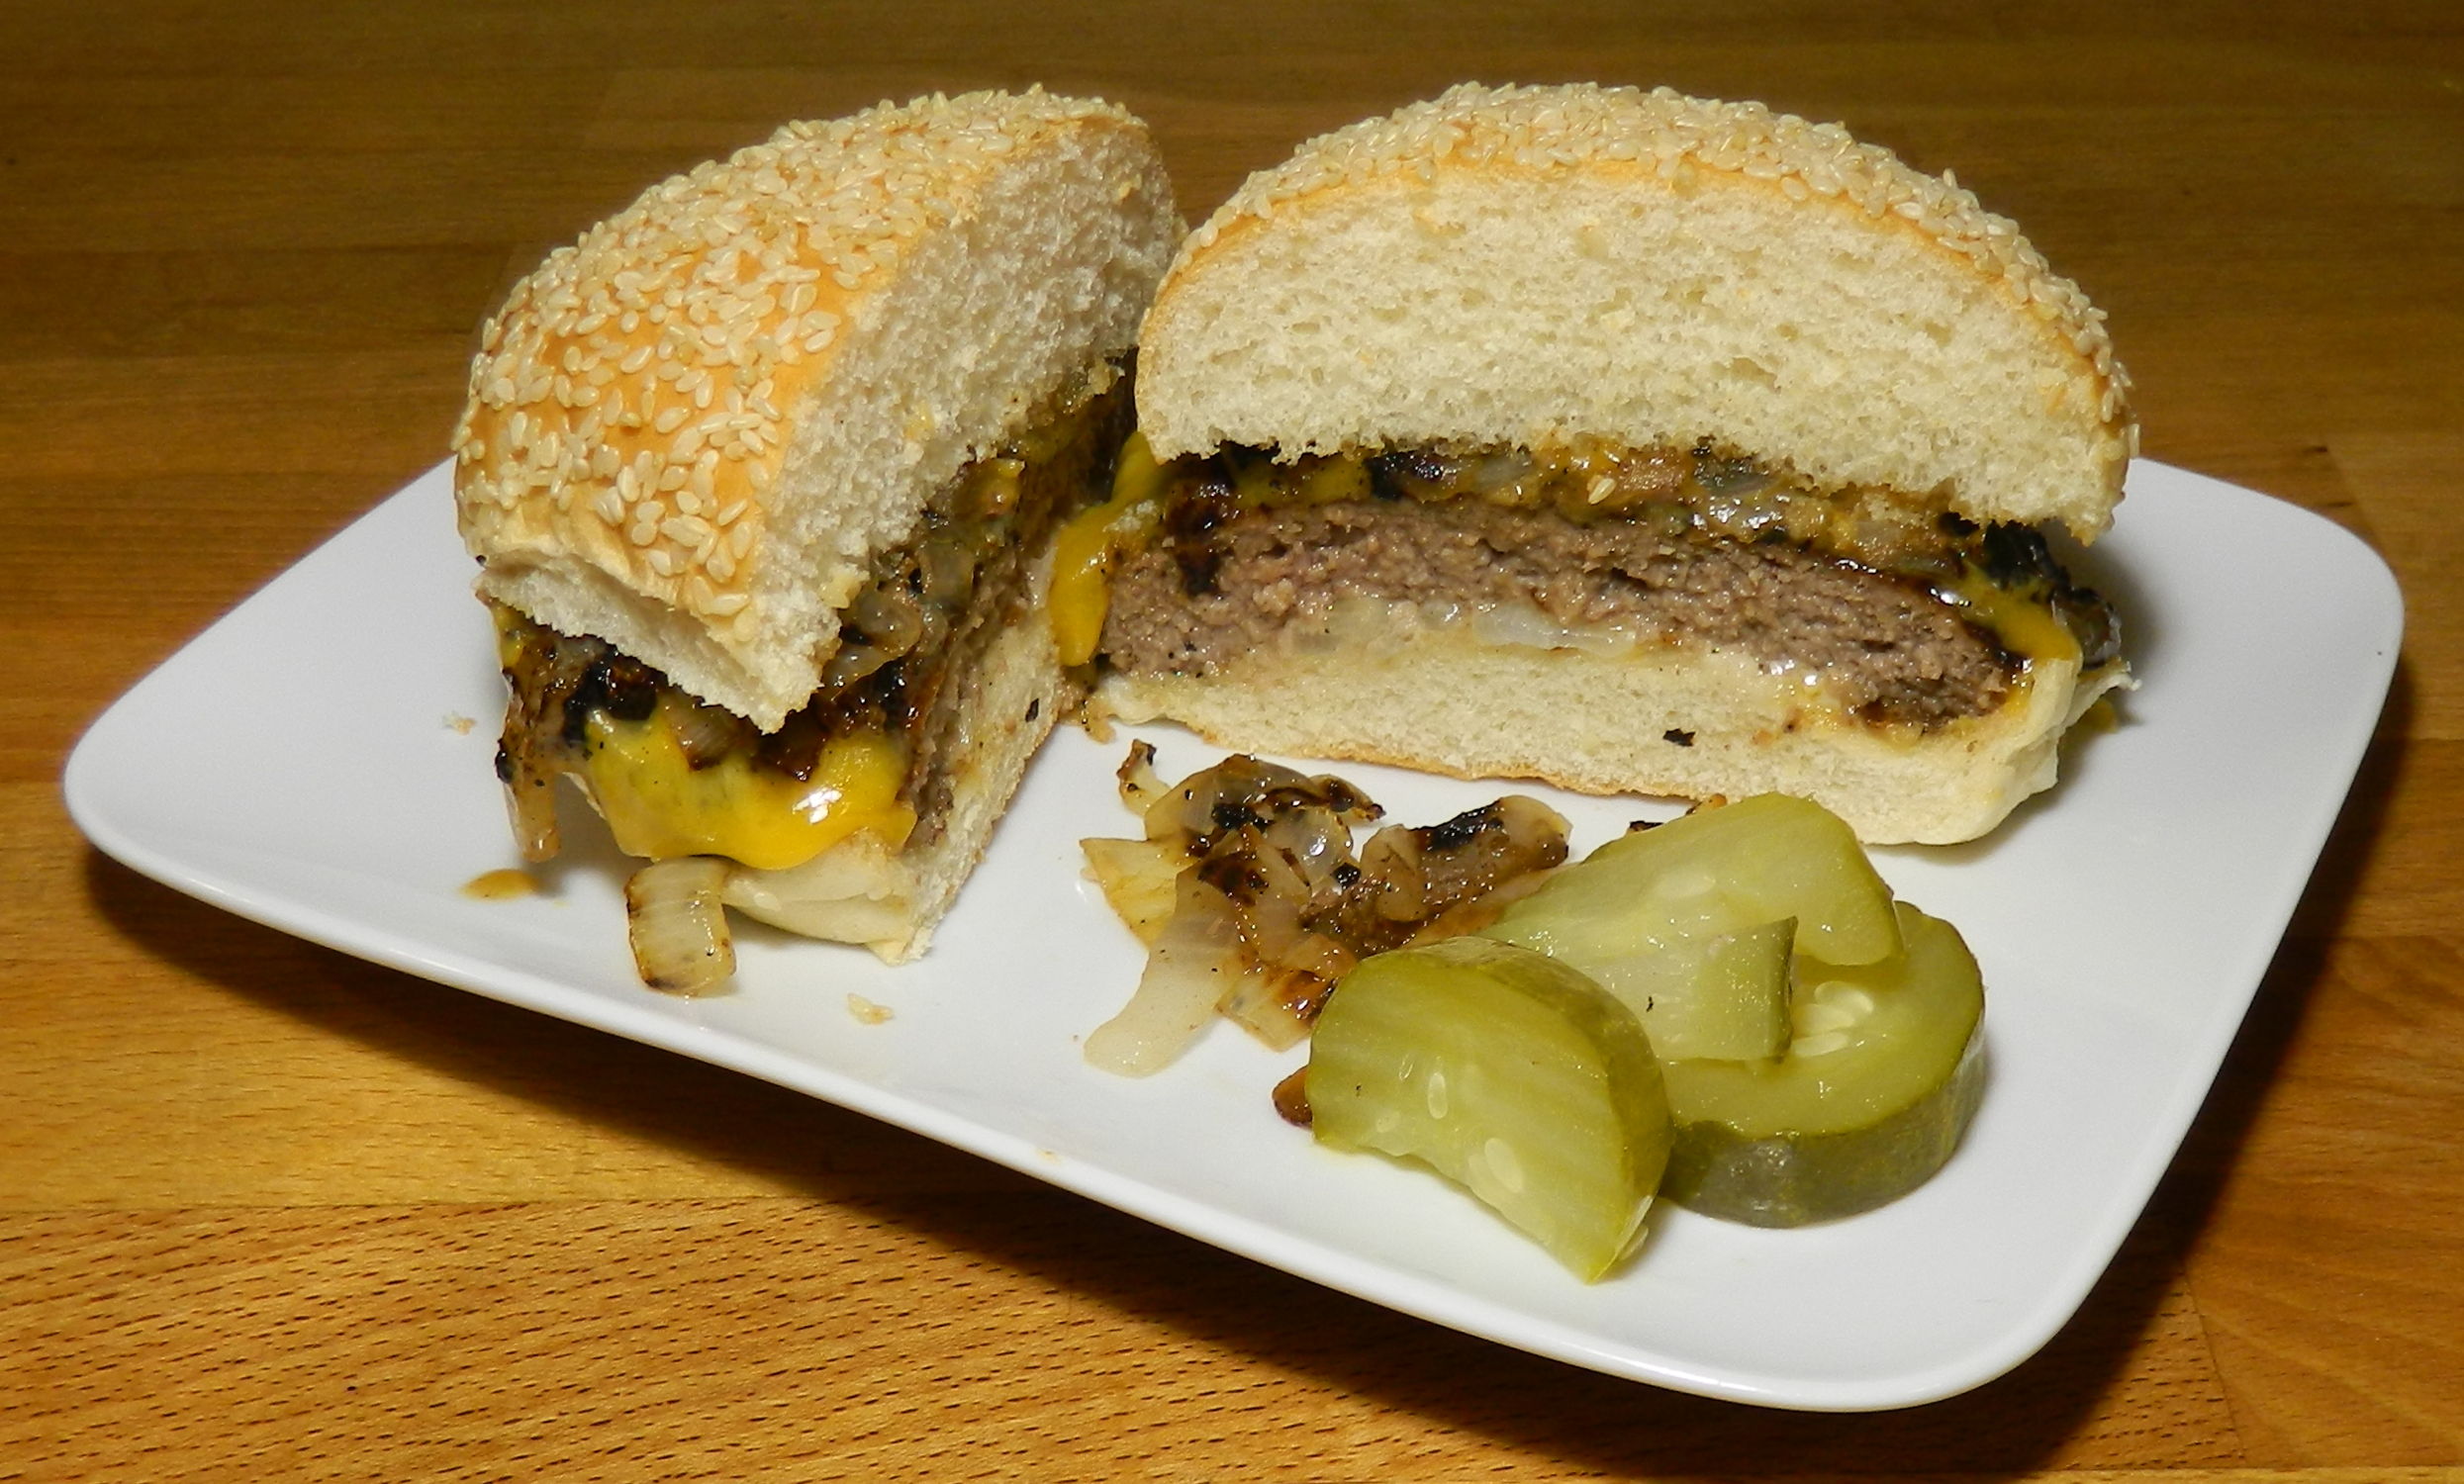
[
  {"x": 1687, "y": 883},
  {"x": 1816, "y": 1018},
  {"x": 1504, "y": 1164}
]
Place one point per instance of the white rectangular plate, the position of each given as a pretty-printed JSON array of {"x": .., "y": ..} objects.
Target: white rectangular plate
[{"x": 321, "y": 761}]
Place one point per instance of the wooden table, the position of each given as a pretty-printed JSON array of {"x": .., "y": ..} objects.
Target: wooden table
[{"x": 265, "y": 1209}]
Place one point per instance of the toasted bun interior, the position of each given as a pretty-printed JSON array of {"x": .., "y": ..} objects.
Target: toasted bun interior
[
  {"x": 689, "y": 432},
  {"x": 1530, "y": 265},
  {"x": 1677, "y": 725}
]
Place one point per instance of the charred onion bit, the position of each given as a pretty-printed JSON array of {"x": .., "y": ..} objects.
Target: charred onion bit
[
  {"x": 1291, "y": 1097},
  {"x": 1265, "y": 858},
  {"x": 1140, "y": 785},
  {"x": 1190, "y": 522},
  {"x": 2016, "y": 559},
  {"x": 543, "y": 677}
]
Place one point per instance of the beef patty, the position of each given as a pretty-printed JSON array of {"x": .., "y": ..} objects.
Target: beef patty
[{"x": 1890, "y": 650}]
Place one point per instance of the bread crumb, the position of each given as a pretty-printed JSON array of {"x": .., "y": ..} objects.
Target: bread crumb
[
  {"x": 866, "y": 1011},
  {"x": 459, "y": 724}
]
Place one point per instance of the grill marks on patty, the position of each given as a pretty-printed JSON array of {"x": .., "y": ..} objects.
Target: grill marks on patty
[{"x": 1889, "y": 649}]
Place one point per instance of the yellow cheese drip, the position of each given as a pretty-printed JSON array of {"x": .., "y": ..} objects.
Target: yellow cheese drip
[
  {"x": 1087, "y": 547},
  {"x": 658, "y": 805},
  {"x": 2020, "y": 620}
]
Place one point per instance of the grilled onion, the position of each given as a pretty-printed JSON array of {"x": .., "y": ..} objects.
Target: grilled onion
[
  {"x": 1138, "y": 879},
  {"x": 1252, "y": 902},
  {"x": 1194, "y": 963},
  {"x": 678, "y": 927}
]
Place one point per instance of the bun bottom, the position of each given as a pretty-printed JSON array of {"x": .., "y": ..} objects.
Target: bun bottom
[
  {"x": 860, "y": 892},
  {"x": 1673, "y": 724}
]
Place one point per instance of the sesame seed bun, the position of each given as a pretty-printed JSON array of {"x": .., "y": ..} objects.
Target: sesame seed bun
[
  {"x": 1553, "y": 267},
  {"x": 689, "y": 432},
  {"x": 1526, "y": 265}
]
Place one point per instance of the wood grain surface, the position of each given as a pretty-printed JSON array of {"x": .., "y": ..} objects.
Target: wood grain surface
[{"x": 268, "y": 1211}]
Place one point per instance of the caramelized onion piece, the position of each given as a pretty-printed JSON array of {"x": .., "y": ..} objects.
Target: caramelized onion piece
[
  {"x": 1139, "y": 879},
  {"x": 1390, "y": 884},
  {"x": 1141, "y": 786},
  {"x": 1291, "y": 1098},
  {"x": 678, "y": 927},
  {"x": 1316, "y": 841},
  {"x": 888, "y": 617},
  {"x": 1193, "y": 964},
  {"x": 1480, "y": 850},
  {"x": 1270, "y": 907},
  {"x": 1279, "y": 1003},
  {"x": 531, "y": 807},
  {"x": 707, "y": 734},
  {"x": 1243, "y": 790},
  {"x": 540, "y": 680}
]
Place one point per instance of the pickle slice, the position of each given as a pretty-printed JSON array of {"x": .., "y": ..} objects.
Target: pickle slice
[
  {"x": 1724, "y": 996},
  {"x": 1716, "y": 871},
  {"x": 1676, "y": 919},
  {"x": 1509, "y": 1073},
  {"x": 1885, "y": 1072}
]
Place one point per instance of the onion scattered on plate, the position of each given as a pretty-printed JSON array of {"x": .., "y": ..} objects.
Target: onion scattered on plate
[
  {"x": 1251, "y": 900},
  {"x": 678, "y": 927}
]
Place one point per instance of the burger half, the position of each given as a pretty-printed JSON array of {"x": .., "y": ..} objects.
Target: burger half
[
  {"x": 1625, "y": 440},
  {"x": 763, "y": 472}
]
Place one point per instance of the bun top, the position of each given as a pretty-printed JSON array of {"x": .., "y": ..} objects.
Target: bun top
[
  {"x": 1535, "y": 266},
  {"x": 689, "y": 432}
]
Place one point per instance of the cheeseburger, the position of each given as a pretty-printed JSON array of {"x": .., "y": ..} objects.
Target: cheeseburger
[
  {"x": 762, "y": 475},
  {"x": 1626, "y": 441}
]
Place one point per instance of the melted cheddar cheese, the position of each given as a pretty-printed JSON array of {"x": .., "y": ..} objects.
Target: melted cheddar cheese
[
  {"x": 1088, "y": 546},
  {"x": 2018, "y": 619},
  {"x": 658, "y": 805}
]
